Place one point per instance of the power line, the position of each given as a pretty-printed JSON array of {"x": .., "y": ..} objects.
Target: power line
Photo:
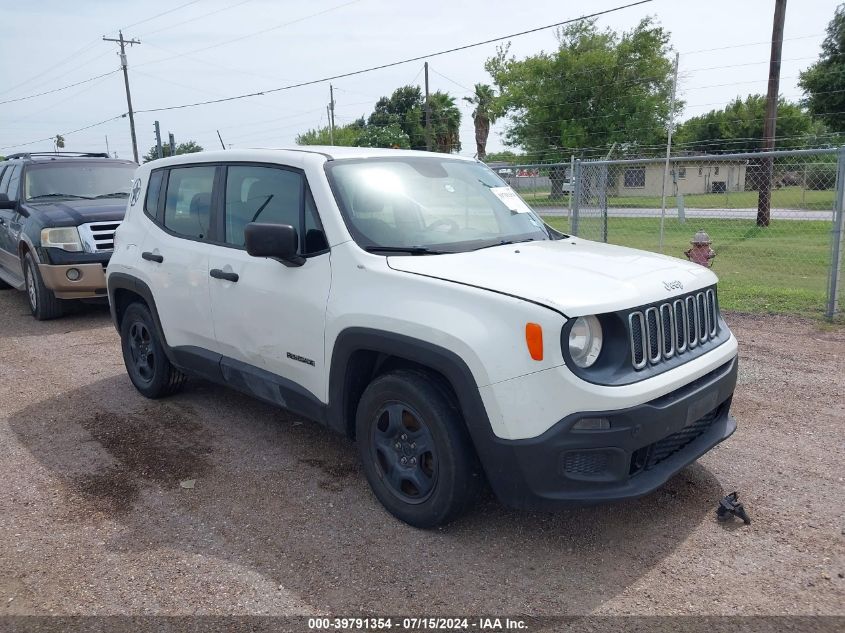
[
  {"x": 201, "y": 17},
  {"x": 50, "y": 138},
  {"x": 396, "y": 63},
  {"x": 78, "y": 83},
  {"x": 158, "y": 15},
  {"x": 253, "y": 34}
]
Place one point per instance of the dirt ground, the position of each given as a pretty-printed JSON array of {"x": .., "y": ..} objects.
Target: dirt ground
[{"x": 93, "y": 519}]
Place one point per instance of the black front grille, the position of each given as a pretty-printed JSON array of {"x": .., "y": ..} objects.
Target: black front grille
[{"x": 650, "y": 456}]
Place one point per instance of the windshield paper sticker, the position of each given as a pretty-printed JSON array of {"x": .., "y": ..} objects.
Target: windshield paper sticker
[{"x": 511, "y": 199}]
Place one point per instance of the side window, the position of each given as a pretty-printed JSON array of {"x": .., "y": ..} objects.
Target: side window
[
  {"x": 261, "y": 194},
  {"x": 14, "y": 182},
  {"x": 153, "y": 191},
  {"x": 187, "y": 205}
]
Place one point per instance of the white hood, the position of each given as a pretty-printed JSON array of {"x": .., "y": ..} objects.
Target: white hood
[{"x": 571, "y": 275}]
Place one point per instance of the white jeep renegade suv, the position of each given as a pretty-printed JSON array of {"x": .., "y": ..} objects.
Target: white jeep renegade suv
[{"x": 413, "y": 302}]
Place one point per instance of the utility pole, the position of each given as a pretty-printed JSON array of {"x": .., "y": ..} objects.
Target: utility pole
[
  {"x": 159, "y": 149},
  {"x": 123, "y": 64},
  {"x": 427, "y": 113},
  {"x": 331, "y": 113},
  {"x": 172, "y": 141},
  {"x": 668, "y": 148},
  {"x": 764, "y": 200},
  {"x": 108, "y": 151},
  {"x": 221, "y": 139},
  {"x": 331, "y": 127}
]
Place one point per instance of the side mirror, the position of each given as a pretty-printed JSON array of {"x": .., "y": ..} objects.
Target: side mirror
[
  {"x": 5, "y": 203},
  {"x": 279, "y": 241}
]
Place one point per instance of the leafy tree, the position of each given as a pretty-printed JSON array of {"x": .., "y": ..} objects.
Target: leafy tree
[
  {"x": 823, "y": 83},
  {"x": 598, "y": 88},
  {"x": 485, "y": 113},
  {"x": 188, "y": 147},
  {"x": 738, "y": 127},
  {"x": 346, "y": 135},
  {"x": 59, "y": 142},
  {"x": 391, "y": 136},
  {"x": 405, "y": 108},
  {"x": 505, "y": 156},
  {"x": 445, "y": 123}
]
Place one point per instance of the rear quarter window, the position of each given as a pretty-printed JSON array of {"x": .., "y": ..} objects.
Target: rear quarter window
[{"x": 153, "y": 191}]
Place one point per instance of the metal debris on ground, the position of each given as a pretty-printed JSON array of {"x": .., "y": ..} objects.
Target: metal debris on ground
[{"x": 730, "y": 507}]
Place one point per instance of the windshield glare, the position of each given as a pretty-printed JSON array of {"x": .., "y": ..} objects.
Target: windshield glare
[
  {"x": 438, "y": 204},
  {"x": 106, "y": 180}
]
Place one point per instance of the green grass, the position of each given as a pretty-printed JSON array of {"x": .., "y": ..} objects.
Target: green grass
[
  {"x": 785, "y": 198},
  {"x": 780, "y": 269}
]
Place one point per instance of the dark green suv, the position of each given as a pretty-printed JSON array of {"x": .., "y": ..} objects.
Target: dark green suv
[{"x": 58, "y": 215}]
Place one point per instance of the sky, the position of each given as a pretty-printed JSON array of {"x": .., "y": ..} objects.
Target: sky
[{"x": 208, "y": 49}]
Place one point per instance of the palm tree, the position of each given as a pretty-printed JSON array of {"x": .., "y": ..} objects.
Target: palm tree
[
  {"x": 445, "y": 123},
  {"x": 486, "y": 112}
]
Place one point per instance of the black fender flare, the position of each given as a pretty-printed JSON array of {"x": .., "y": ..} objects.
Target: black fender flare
[
  {"x": 495, "y": 455},
  {"x": 117, "y": 281}
]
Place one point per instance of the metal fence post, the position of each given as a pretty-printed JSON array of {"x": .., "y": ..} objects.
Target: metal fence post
[
  {"x": 576, "y": 198},
  {"x": 603, "y": 200},
  {"x": 836, "y": 238}
]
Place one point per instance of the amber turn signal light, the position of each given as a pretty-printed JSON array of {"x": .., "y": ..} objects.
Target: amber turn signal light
[{"x": 534, "y": 340}]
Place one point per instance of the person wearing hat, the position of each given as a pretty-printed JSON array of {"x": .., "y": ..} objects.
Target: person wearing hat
[{"x": 701, "y": 253}]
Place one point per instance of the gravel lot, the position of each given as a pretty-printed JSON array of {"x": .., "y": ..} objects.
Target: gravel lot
[{"x": 93, "y": 519}]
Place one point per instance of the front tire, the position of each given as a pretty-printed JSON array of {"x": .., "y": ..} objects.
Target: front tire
[
  {"x": 416, "y": 452},
  {"x": 42, "y": 302},
  {"x": 143, "y": 354}
]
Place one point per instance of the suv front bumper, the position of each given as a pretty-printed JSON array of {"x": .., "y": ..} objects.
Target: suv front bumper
[
  {"x": 644, "y": 447},
  {"x": 90, "y": 273}
]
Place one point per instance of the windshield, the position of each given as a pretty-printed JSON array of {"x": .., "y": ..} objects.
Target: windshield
[
  {"x": 421, "y": 205},
  {"x": 78, "y": 180}
]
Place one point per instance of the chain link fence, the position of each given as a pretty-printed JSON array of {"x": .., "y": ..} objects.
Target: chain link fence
[{"x": 773, "y": 221}]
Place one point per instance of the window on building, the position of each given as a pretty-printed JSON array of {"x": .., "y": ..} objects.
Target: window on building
[{"x": 635, "y": 177}]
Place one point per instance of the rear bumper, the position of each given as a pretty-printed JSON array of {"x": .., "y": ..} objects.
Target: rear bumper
[
  {"x": 644, "y": 447},
  {"x": 91, "y": 280}
]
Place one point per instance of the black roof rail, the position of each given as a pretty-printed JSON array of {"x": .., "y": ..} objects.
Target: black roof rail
[{"x": 59, "y": 154}]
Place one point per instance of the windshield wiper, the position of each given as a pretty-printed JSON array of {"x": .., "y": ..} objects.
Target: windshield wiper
[
  {"x": 504, "y": 243},
  {"x": 116, "y": 194},
  {"x": 59, "y": 195},
  {"x": 413, "y": 250}
]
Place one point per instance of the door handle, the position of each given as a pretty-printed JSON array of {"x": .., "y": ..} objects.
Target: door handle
[
  {"x": 220, "y": 274},
  {"x": 152, "y": 257}
]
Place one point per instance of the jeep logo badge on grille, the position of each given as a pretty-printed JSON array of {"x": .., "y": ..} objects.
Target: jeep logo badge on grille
[{"x": 673, "y": 285}]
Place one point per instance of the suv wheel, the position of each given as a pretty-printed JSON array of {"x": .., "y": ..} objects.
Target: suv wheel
[
  {"x": 415, "y": 449},
  {"x": 143, "y": 354},
  {"x": 42, "y": 301}
]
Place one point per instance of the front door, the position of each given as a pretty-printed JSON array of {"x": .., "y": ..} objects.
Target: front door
[{"x": 268, "y": 315}]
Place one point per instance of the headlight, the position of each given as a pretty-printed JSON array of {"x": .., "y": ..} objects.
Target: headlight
[
  {"x": 585, "y": 339},
  {"x": 65, "y": 238}
]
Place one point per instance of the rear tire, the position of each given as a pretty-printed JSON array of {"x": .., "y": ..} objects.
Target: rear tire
[
  {"x": 415, "y": 449},
  {"x": 146, "y": 363},
  {"x": 42, "y": 302}
]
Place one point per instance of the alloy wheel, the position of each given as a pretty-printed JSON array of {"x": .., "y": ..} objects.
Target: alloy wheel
[{"x": 141, "y": 351}]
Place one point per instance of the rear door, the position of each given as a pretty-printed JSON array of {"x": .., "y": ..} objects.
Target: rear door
[
  {"x": 268, "y": 315},
  {"x": 174, "y": 257}
]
